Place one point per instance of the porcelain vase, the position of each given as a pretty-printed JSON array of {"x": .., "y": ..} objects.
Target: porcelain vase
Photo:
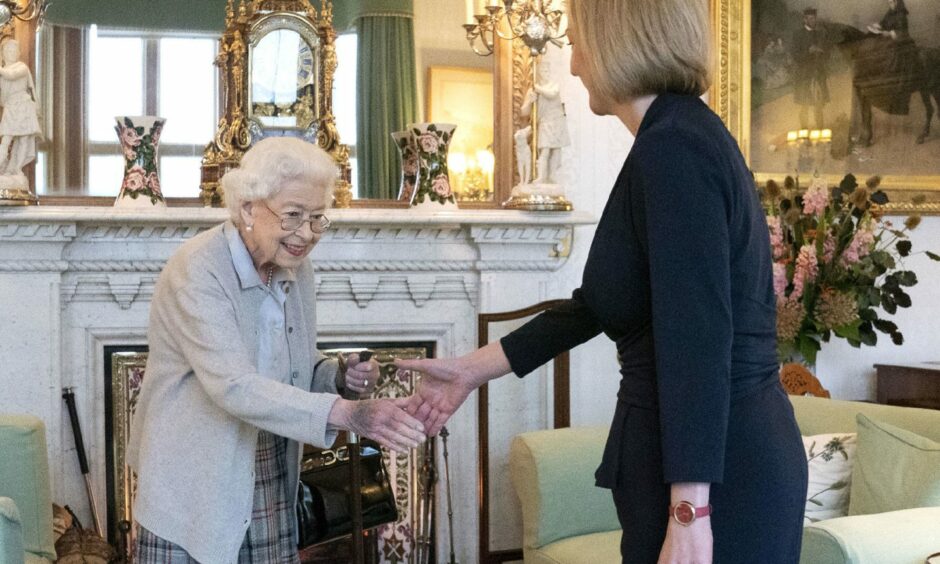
[
  {"x": 405, "y": 141},
  {"x": 432, "y": 141},
  {"x": 140, "y": 142}
]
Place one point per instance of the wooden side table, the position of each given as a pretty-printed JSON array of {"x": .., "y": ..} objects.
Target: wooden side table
[{"x": 911, "y": 385}]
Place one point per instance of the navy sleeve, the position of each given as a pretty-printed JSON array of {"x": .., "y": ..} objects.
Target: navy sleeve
[
  {"x": 681, "y": 190},
  {"x": 550, "y": 333}
]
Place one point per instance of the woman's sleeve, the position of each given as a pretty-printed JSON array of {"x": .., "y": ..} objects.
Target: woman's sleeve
[
  {"x": 684, "y": 197},
  {"x": 550, "y": 333},
  {"x": 200, "y": 320}
]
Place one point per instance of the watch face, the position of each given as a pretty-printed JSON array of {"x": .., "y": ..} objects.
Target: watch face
[{"x": 684, "y": 513}]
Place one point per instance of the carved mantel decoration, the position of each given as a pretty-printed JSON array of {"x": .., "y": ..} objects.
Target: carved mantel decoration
[{"x": 244, "y": 120}]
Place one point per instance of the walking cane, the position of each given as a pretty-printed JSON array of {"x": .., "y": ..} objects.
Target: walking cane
[
  {"x": 69, "y": 397},
  {"x": 355, "y": 479}
]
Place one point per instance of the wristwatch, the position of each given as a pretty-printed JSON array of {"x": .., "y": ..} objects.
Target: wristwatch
[{"x": 685, "y": 513}]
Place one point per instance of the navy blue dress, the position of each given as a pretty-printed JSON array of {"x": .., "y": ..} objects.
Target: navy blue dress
[{"x": 679, "y": 277}]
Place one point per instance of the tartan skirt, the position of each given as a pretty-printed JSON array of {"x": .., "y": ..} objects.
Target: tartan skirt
[{"x": 270, "y": 534}]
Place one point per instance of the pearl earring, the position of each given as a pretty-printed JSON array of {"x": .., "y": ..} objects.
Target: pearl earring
[{"x": 248, "y": 227}]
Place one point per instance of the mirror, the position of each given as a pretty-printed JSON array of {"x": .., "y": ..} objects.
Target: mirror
[
  {"x": 282, "y": 80},
  {"x": 76, "y": 158}
]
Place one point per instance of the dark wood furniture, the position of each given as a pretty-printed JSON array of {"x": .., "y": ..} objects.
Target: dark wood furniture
[{"x": 911, "y": 385}]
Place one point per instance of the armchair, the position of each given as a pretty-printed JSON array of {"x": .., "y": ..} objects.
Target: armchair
[{"x": 25, "y": 499}]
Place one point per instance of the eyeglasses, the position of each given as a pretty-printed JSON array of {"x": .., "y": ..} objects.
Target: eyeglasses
[{"x": 294, "y": 220}]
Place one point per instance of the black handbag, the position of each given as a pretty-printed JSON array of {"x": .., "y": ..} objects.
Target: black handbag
[{"x": 324, "y": 498}]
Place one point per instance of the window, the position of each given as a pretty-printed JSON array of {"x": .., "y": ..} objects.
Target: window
[
  {"x": 344, "y": 98},
  {"x": 134, "y": 74}
]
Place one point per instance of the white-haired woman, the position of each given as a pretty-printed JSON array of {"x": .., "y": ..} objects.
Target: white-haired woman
[
  {"x": 704, "y": 457},
  {"x": 234, "y": 382}
]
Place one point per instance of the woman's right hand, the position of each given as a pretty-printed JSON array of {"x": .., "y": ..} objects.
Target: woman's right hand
[{"x": 382, "y": 420}]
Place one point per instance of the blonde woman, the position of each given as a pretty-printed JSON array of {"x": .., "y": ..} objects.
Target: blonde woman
[{"x": 704, "y": 458}]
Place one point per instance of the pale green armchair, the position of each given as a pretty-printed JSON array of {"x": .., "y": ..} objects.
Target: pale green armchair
[
  {"x": 567, "y": 520},
  {"x": 25, "y": 500}
]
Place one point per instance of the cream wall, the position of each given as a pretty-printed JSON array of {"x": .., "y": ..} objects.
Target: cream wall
[{"x": 599, "y": 146}]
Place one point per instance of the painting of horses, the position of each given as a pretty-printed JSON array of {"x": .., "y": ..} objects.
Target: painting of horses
[{"x": 841, "y": 87}]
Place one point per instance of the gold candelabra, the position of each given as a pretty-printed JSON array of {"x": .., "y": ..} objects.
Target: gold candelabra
[{"x": 536, "y": 23}]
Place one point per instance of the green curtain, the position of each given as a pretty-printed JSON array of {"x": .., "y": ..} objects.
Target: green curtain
[
  {"x": 386, "y": 99},
  {"x": 206, "y": 16}
]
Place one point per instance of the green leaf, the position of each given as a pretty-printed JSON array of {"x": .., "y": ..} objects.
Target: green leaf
[
  {"x": 879, "y": 198},
  {"x": 849, "y": 331},
  {"x": 902, "y": 299},
  {"x": 906, "y": 278},
  {"x": 885, "y": 326},
  {"x": 903, "y": 247},
  {"x": 867, "y": 334},
  {"x": 848, "y": 184},
  {"x": 808, "y": 348},
  {"x": 933, "y": 256},
  {"x": 867, "y": 314},
  {"x": 888, "y": 303},
  {"x": 897, "y": 338}
]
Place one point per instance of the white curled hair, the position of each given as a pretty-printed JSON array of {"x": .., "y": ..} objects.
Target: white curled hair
[{"x": 271, "y": 163}]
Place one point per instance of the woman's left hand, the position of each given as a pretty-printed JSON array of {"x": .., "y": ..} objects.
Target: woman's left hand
[
  {"x": 687, "y": 545},
  {"x": 361, "y": 377}
]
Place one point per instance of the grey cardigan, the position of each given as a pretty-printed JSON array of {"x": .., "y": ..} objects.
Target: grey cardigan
[{"x": 195, "y": 428}]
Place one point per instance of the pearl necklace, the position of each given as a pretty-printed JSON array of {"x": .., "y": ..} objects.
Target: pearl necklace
[{"x": 270, "y": 276}]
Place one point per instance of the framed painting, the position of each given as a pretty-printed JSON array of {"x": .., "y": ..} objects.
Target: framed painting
[{"x": 830, "y": 88}]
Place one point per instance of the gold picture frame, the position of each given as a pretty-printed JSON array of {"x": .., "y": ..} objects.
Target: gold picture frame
[{"x": 731, "y": 98}]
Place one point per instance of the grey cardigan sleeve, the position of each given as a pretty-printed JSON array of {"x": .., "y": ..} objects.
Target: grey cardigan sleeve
[{"x": 201, "y": 319}]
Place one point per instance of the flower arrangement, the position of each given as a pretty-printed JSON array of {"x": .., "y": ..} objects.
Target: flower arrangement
[{"x": 838, "y": 264}]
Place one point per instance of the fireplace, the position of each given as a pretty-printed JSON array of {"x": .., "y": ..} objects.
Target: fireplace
[{"x": 394, "y": 543}]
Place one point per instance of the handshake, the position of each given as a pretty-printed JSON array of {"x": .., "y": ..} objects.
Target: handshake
[{"x": 403, "y": 423}]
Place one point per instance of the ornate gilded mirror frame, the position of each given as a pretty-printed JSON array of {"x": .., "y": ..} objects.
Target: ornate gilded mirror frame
[
  {"x": 238, "y": 128},
  {"x": 730, "y": 98}
]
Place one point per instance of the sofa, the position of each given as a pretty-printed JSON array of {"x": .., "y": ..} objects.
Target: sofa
[
  {"x": 567, "y": 520},
  {"x": 26, "y": 532}
]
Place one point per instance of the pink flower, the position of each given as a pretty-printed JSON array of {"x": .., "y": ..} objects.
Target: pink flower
[
  {"x": 410, "y": 165},
  {"x": 816, "y": 197},
  {"x": 153, "y": 183},
  {"x": 780, "y": 279},
  {"x": 134, "y": 180},
  {"x": 429, "y": 142},
  {"x": 129, "y": 153},
  {"x": 441, "y": 186},
  {"x": 806, "y": 270},
  {"x": 129, "y": 137},
  {"x": 776, "y": 236},
  {"x": 829, "y": 248},
  {"x": 862, "y": 243}
]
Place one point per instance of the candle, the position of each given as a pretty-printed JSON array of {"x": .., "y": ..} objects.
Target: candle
[
  {"x": 814, "y": 135},
  {"x": 827, "y": 134},
  {"x": 791, "y": 136},
  {"x": 804, "y": 134}
]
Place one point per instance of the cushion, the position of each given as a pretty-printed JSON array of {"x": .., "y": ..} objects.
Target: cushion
[
  {"x": 829, "y": 459},
  {"x": 896, "y": 537},
  {"x": 894, "y": 469},
  {"x": 594, "y": 548}
]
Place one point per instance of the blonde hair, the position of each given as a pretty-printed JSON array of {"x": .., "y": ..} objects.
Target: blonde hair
[
  {"x": 641, "y": 47},
  {"x": 271, "y": 163}
]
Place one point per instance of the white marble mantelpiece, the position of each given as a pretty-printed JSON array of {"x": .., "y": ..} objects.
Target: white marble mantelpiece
[{"x": 74, "y": 280}]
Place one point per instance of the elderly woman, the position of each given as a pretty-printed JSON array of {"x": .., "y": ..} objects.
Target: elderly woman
[
  {"x": 704, "y": 457},
  {"x": 234, "y": 380}
]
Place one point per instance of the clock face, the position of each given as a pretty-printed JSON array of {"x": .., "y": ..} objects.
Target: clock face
[{"x": 684, "y": 514}]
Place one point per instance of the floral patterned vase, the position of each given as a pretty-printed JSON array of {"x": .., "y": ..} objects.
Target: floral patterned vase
[
  {"x": 140, "y": 139},
  {"x": 432, "y": 141},
  {"x": 405, "y": 141}
]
